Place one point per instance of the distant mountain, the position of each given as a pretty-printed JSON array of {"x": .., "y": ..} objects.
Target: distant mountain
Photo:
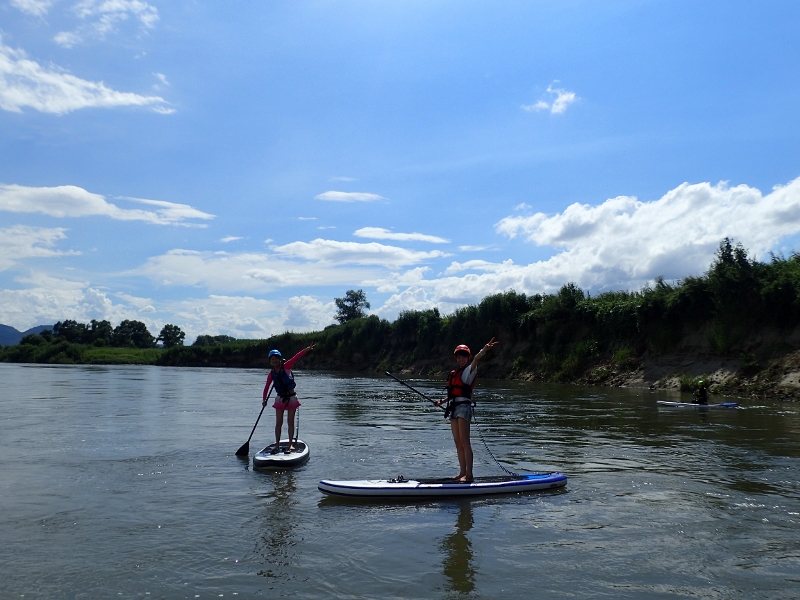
[{"x": 10, "y": 336}]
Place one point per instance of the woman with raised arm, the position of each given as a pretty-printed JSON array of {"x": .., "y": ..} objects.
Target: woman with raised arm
[{"x": 460, "y": 383}]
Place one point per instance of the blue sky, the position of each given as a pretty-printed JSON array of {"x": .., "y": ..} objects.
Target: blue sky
[{"x": 233, "y": 167}]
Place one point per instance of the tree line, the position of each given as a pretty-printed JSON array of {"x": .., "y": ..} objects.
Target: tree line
[{"x": 556, "y": 337}]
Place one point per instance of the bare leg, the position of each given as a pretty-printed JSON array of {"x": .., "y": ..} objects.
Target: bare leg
[
  {"x": 278, "y": 427},
  {"x": 462, "y": 465},
  {"x": 460, "y": 428},
  {"x": 291, "y": 429}
]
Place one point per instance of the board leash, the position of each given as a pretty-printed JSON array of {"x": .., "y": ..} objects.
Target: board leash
[{"x": 485, "y": 445}]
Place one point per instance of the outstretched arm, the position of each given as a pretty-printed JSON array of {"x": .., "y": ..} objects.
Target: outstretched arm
[
  {"x": 290, "y": 363},
  {"x": 492, "y": 343}
]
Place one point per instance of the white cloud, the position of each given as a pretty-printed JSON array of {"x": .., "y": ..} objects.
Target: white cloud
[
  {"x": 306, "y": 218},
  {"x": 20, "y": 242},
  {"x": 26, "y": 83},
  {"x": 348, "y": 197},
  {"x": 248, "y": 317},
  {"x": 622, "y": 243},
  {"x": 102, "y": 17},
  {"x": 378, "y": 233},
  {"x": 73, "y": 201},
  {"x": 36, "y": 8},
  {"x": 412, "y": 298},
  {"x": 472, "y": 248},
  {"x": 343, "y": 179},
  {"x": 331, "y": 251},
  {"x": 230, "y": 238},
  {"x": 246, "y": 272},
  {"x": 559, "y": 104},
  {"x": 305, "y": 313},
  {"x": 47, "y": 300}
]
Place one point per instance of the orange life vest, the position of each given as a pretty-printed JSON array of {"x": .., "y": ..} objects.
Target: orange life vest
[{"x": 456, "y": 387}]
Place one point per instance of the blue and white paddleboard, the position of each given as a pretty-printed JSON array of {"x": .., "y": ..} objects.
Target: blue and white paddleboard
[
  {"x": 439, "y": 488},
  {"x": 695, "y": 405},
  {"x": 283, "y": 458}
]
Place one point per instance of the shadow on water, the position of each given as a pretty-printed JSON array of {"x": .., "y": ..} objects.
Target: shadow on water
[{"x": 458, "y": 566}]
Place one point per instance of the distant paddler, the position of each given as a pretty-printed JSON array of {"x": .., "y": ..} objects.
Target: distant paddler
[
  {"x": 701, "y": 392},
  {"x": 281, "y": 376}
]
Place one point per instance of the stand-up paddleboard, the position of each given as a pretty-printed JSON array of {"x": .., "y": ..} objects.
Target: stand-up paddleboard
[
  {"x": 401, "y": 487},
  {"x": 696, "y": 405},
  {"x": 283, "y": 458}
]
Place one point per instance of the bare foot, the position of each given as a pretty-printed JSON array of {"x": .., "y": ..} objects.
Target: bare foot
[
  {"x": 465, "y": 479},
  {"x": 459, "y": 476}
]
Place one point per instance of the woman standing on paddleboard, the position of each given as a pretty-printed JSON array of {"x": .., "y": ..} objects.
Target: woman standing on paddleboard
[
  {"x": 460, "y": 382},
  {"x": 281, "y": 376}
]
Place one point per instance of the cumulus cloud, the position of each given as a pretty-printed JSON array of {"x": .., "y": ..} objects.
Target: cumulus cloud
[
  {"x": 621, "y": 243},
  {"x": 230, "y": 238},
  {"x": 348, "y": 197},
  {"x": 36, "y": 8},
  {"x": 73, "y": 201},
  {"x": 305, "y": 313},
  {"x": 331, "y": 251},
  {"x": 46, "y": 300},
  {"x": 26, "y": 83},
  {"x": 21, "y": 242},
  {"x": 558, "y": 105},
  {"x": 672, "y": 236},
  {"x": 102, "y": 17},
  {"x": 248, "y": 317},
  {"x": 245, "y": 272},
  {"x": 378, "y": 233}
]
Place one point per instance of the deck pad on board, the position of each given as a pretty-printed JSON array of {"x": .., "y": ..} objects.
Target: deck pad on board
[{"x": 283, "y": 458}]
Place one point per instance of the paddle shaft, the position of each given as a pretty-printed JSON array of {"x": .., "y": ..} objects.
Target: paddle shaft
[
  {"x": 428, "y": 398},
  {"x": 245, "y": 448}
]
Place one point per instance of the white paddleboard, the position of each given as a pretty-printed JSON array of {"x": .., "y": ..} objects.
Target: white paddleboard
[
  {"x": 696, "y": 405},
  {"x": 283, "y": 458},
  {"x": 438, "y": 488}
]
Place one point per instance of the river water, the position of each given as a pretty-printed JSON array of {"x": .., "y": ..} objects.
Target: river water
[{"x": 121, "y": 482}]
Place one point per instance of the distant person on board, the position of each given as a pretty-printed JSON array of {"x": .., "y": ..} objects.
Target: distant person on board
[
  {"x": 280, "y": 375},
  {"x": 460, "y": 382},
  {"x": 701, "y": 392}
]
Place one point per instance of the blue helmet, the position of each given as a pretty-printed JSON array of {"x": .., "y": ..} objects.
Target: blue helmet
[{"x": 274, "y": 353}]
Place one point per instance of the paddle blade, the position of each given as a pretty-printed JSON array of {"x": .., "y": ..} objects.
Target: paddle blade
[{"x": 244, "y": 450}]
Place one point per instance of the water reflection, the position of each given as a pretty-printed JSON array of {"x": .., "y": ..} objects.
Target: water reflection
[
  {"x": 278, "y": 543},
  {"x": 457, "y": 566}
]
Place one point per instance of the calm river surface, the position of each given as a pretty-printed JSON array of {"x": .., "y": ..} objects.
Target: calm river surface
[{"x": 121, "y": 482}]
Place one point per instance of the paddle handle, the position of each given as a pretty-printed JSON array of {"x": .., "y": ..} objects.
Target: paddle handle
[{"x": 428, "y": 398}]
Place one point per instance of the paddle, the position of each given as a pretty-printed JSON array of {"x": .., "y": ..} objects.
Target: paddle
[
  {"x": 245, "y": 449},
  {"x": 428, "y": 398}
]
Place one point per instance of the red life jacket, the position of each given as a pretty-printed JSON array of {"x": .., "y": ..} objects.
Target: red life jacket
[{"x": 456, "y": 387}]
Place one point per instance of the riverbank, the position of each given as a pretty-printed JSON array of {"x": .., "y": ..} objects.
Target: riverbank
[{"x": 738, "y": 326}]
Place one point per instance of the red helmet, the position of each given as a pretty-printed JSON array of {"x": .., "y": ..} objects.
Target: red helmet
[{"x": 462, "y": 348}]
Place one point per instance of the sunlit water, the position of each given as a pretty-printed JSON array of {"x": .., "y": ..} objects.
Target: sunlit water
[{"x": 121, "y": 482}]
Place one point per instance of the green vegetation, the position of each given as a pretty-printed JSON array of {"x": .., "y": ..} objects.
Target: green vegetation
[
  {"x": 564, "y": 336},
  {"x": 351, "y": 306}
]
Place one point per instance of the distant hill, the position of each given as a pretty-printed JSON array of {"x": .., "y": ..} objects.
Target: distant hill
[{"x": 10, "y": 336}]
